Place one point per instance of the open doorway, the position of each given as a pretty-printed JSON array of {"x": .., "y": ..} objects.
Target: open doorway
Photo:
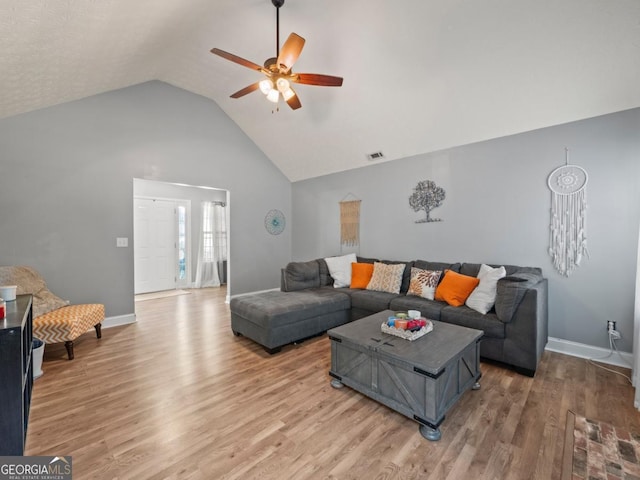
[{"x": 168, "y": 225}]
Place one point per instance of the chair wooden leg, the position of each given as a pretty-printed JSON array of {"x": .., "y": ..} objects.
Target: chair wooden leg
[
  {"x": 98, "y": 328},
  {"x": 69, "y": 346}
]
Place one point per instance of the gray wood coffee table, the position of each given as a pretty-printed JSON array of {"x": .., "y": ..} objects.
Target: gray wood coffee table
[{"x": 421, "y": 379}]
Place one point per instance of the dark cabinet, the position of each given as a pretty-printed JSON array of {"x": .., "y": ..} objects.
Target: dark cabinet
[{"x": 16, "y": 374}]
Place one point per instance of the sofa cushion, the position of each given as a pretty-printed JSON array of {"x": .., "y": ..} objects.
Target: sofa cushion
[
  {"x": 472, "y": 269},
  {"x": 370, "y": 300},
  {"x": 483, "y": 297},
  {"x": 301, "y": 275},
  {"x": 466, "y": 317},
  {"x": 425, "y": 265},
  {"x": 424, "y": 282},
  {"x": 386, "y": 277},
  {"x": 340, "y": 269},
  {"x": 455, "y": 288},
  {"x": 511, "y": 291},
  {"x": 325, "y": 276},
  {"x": 367, "y": 260},
  {"x": 428, "y": 308},
  {"x": 361, "y": 274},
  {"x": 275, "y": 308}
]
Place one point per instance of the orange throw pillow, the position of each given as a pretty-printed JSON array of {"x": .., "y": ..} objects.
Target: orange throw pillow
[
  {"x": 361, "y": 274},
  {"x": 455, "y": 288}
]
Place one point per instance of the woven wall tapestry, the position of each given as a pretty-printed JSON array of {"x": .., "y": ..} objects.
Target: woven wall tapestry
[
  {"x": 350, "y": 223},
  {"x": 568, "y": 227}
]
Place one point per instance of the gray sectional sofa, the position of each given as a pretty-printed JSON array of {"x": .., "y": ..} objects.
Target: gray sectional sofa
[{"x": 515, "y": 330}]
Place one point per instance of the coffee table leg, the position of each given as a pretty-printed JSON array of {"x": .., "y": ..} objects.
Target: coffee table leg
[
  {"x": 335, "y": 383},
  {"x": 476, "y": 386},
  {"x": 432, "y": 434}
]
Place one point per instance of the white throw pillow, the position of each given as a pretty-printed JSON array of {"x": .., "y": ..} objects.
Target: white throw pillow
[
  {"x": 340, "y": 269},
  {"x": 484, "y": 295}
]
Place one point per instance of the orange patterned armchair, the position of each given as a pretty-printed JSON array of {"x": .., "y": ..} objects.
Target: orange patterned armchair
[
  {"x": 65, "y": 324},
  {"x": 54, "y": 320}
]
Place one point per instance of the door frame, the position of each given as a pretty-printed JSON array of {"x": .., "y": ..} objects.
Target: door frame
[{"x": 190, "y": 223}]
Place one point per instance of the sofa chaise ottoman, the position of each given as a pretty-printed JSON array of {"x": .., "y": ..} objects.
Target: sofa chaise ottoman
[{"x": 277, "y": 318}]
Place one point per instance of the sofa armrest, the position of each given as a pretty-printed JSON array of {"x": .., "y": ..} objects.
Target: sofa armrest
[
  {"x": 527, "y": 332},
  {"x": 510, "y": 292}
]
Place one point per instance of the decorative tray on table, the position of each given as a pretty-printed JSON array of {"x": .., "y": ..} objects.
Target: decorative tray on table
[{"x": 407, "y": 334}]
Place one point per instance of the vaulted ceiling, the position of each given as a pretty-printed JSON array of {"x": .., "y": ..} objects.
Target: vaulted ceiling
[{"x": 419, "y": 75}]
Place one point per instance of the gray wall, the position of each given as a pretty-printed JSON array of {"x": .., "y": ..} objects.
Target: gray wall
[
  {"x": 197, "y": 195},
  {"x": 497, "y": 211},
  {"x": 66, "y": 188}
]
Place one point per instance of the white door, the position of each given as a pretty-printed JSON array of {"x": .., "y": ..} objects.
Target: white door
[{"x": 154, "y": 244}]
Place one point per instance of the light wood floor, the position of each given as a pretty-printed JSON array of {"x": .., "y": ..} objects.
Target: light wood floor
[{"x": 176, "y": 395}]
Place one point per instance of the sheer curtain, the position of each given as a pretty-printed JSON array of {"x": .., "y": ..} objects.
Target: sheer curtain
[
  {"x": 211, "y": 251},
  {"x": 220, "y": 239}
]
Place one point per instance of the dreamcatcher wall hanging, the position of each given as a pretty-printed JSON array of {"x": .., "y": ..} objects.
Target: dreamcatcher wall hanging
[
  {"x": 349, "y": 222},
  {"x": 568, "y": 228}
]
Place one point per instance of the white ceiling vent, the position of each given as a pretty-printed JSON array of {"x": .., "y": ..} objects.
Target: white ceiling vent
[{"x": 375, "y": 155}]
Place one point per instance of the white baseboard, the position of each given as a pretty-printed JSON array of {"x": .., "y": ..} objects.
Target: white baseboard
[
  {"x": 119, "y": 320},
  {"x": 601, "y": 355}
]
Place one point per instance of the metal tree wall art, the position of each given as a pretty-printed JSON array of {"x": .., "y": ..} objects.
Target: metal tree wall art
[
  {"x": 568, "y": 228},
  {"x": 427, "y": 196}
]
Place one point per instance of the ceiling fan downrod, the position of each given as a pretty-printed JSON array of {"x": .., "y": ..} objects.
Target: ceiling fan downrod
[{"x": 277, "y": 4}]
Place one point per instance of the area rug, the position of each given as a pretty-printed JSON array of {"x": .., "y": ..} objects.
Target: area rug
[
  {"x": 154, "y": 295},
  {"x": 596, "y": 450}
]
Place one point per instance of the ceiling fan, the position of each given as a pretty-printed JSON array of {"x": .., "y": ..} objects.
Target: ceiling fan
[{"x": 277, "y": 70}]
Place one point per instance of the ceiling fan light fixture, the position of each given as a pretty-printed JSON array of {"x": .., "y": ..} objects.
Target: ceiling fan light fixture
[
  {"x": 266, "y": 86},
  {"x": 282, "y": 84},
  {"x": 287, "y": 94},
  {"x": 273, "y": 95}
]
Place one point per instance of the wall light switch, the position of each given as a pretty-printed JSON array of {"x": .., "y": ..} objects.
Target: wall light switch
[{"x": 122, "y": 242}]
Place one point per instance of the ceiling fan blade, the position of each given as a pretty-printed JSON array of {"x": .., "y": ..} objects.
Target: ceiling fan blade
[
  {"x": 290, "y": 51},
  {"x": 294, "y": 101},
  {"x": 246, "y": 90},
  {"x": 317, "y": 79},
  {"x": 238, "y": 60}
]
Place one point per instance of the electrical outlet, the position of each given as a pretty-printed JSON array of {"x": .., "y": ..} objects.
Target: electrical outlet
[{"x": 611, "y": 330}]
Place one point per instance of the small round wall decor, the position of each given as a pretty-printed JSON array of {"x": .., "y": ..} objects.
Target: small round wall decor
[{"x": 274, "y": 222}]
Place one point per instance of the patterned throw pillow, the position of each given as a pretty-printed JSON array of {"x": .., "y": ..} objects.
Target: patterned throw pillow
[
  {"x": 424, "y": 282},
  {"x": 386, "y": 278}
]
